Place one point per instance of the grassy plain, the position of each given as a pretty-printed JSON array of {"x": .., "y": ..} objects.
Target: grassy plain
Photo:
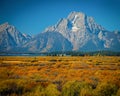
[{"x": 59, "y": 76}]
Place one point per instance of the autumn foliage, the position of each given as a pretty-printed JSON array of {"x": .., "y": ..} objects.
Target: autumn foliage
[{"x": 59, "y": 76}]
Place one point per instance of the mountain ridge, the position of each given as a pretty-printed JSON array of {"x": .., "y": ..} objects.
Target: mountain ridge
[
  {"x": 80, "y": 29},
  {"x": 77, "y": 32},
  {"x": 11, "y": 38}
]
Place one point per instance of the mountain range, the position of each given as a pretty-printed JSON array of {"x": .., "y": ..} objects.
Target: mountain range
[{"x": 77, "y": 32}]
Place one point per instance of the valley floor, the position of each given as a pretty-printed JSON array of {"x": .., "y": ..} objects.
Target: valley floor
[{"x": 59, "y": 76}]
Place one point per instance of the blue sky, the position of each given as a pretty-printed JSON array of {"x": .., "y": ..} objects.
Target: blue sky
[{"x": 33, "y": 16}]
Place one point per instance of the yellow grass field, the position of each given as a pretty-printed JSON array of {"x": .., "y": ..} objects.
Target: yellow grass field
[{"x": 59, "y": 76}]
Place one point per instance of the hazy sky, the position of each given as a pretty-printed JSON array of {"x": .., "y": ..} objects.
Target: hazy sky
[{"x": 33, "y": 16}]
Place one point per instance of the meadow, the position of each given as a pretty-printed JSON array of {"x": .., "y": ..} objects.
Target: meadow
[{"x": 59, "y": 76}]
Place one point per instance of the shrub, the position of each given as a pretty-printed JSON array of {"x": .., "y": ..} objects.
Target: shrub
[
  {"x": 118, "y": 92},
  {"x": 71, "y": 88},
  {"x": 8, "y": 87},
  {"x": 86, "y": 91},
  {"x": 74, "y": 88},
  {"x": 51, "y": 90},
  {"x": 105, "y": 89},
  {"x": 38, "y": 91}
]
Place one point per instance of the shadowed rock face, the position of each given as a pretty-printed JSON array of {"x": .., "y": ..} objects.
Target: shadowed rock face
[
  {"x": 10, "y": 37},
  {"x": 77, "y": 32},
  {"x": 47, "y": 42}
]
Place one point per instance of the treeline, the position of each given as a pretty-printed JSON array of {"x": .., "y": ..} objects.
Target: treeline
[
  {"x": 64, "y": 53},
  {"x": 76, "y": 53}
]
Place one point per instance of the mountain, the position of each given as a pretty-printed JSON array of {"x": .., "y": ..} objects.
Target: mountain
[
  {"x": 48, "y": 42},
  {"x": 77, "y": 32},
  {"x": 85, "y": 34},
  {"x": 11, "y": 38}
]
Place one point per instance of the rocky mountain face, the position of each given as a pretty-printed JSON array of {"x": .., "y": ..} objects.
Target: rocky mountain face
[
  {"x": 48, "y": 42},
  {"x": 11, "y": 38},
  {"x": 77, "y": 32},
  {"x": 85, "y": 34}
]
